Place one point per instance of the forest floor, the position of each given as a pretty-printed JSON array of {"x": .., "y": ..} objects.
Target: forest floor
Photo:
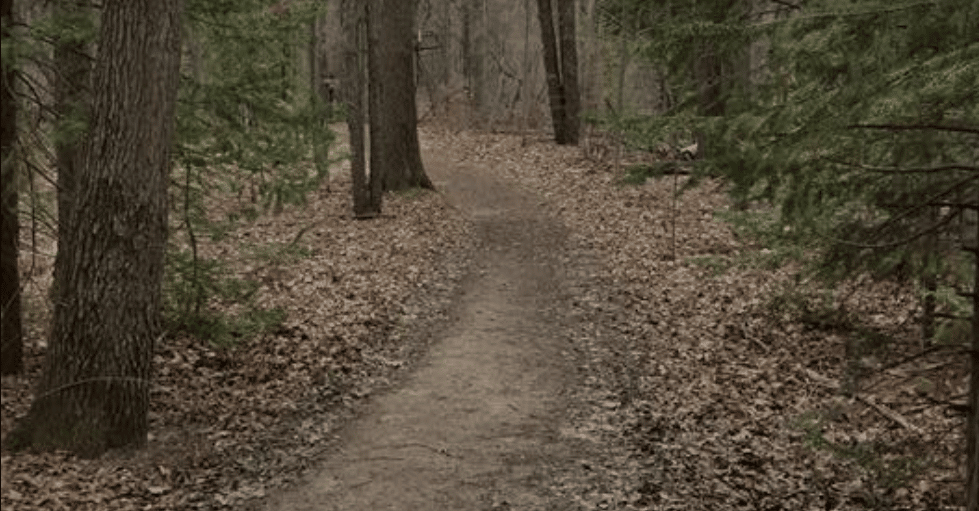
[{"x": 535, "y": 336}]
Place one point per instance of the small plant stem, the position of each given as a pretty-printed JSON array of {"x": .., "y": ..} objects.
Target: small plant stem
[
  {"x": 199, "y": 292},
  {"x": 673, "y": 214}
]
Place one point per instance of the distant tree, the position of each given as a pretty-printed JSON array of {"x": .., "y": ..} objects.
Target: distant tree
[
  {"x": 561, "y": 68},
  {"x": 395, "y": 153},
  {"x": 366, "y": 194},
  {"x": 11, "y": 332},
  {"x": 94, "y": 390},
  {"x": 569, "y": 69}
]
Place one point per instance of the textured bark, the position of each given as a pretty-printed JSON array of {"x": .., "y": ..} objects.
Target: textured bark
[
  {"x": 972, "y": 416},
  {"x": 395, "y": 153},
  {"x": 94, "y": 391},
  {"x": 569, "y": 70},
  {"x": 11, "y": 331},
  {"x": 72, "y": 87},
  {"x": 365, "y": 204},
  {"x": 555, "y": 92}
]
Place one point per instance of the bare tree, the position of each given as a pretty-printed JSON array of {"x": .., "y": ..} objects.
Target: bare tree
[
  {"x": 366, "y": 195},
  {"x": 562, "y": 72},
  {"x": 94, "y": 391},
  {"x": 569, "y": 69}
]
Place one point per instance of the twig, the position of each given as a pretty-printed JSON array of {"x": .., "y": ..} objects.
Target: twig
[
  {"x": 890, "y": 414},
  {"x": 673, "y": 217}
]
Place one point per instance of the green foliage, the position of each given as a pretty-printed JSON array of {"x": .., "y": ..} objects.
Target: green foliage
[
  {"x": 858, "y": 133},
  {"x": 244, "y": 103},
  {"x": 194, "y": 287},
  {"x": 863, "y": 140},
  {"x": 71, "y": 25},
  {"x": 249, "y": 124}
]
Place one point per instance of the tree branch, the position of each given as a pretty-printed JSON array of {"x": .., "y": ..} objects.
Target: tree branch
[
  {"x": 904, "y": 241},
  {"x": 787, "y": 4},
  {"x": 959, "y": 205},
  {"x": 973, "y": 130},
  {"x": 908, "y": 170},
  {"x": 934, "y": 198}
]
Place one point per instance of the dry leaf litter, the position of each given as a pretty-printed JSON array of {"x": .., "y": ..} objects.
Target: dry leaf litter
[{"x": 701, "y": 390}]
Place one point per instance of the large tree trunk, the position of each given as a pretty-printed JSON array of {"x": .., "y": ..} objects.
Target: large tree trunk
[
  {"x": 73, "y": 70},
  {"x": 395, "y": 153},
  {"x": 94, "y": 391},
  {"x": 11, "y": 332}
]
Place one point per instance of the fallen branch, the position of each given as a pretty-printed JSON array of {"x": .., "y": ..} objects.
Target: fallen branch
[{"x": 890, "y": 414}]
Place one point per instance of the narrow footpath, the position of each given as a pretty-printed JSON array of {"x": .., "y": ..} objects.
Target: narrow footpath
[{"x": 476, "y": 427}]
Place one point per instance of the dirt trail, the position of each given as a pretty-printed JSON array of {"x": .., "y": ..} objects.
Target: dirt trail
[{"x": 476, "y": 426}]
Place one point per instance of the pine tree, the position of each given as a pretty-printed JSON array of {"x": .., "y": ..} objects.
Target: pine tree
[{"x": 861, "y": 126}]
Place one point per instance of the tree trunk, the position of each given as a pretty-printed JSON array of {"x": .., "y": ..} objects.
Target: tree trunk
[
  {"x": 11, "y": 331},
  {"x": 555, "y": 92},
  {"x": 708, "y": 75},
  {"x": 972, "y": 416},
  {"x": 365, "y": 204},
  {"x": 94, "y": 391},
  {"x": 569, "y": 70},
  {"x": 72, "y": 88},
  {"x": 320, "y": 102},
  {"x": 395, "y": 153}
]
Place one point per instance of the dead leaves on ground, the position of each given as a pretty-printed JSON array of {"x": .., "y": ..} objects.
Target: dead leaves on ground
[
  {"x": 701, "y": 387},
  {"x": 230, "y": 425},
  {"x": 709, "y": 390}
]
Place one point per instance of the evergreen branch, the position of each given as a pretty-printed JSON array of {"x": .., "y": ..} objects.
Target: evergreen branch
[
  {"x": 972, "y": 130},
  {"x": 854, "y": 14},
  {"x": 907, "y": 170},
  {"x": 787, "y": 4},
  {"x": 952, "y": 316},
  {"x": 926, "y": 203},
  {"x": 914, "y": 356},
  {"x": 963, "y": 205},
  {"x": 904, "y": 241}
]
